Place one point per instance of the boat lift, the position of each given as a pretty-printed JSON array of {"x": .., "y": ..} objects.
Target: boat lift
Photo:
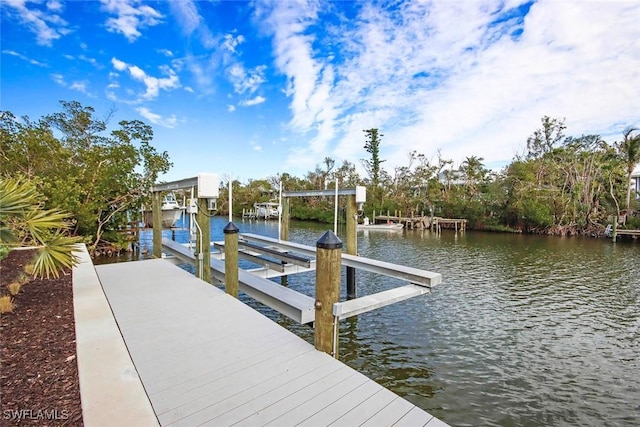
[{"x": 280, "y": 257}]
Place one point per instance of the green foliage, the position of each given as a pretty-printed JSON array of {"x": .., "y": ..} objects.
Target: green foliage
[
  {"x": 25, "y": 222},
  {"x": 562, "y": 183},
  {"x": 98, "y": 176},
  {"x": 372, "y": 145},
  {"x": 629, "y": 151}
]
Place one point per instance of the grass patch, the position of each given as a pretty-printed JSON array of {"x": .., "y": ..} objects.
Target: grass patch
[{"x": 6, "y": 304}]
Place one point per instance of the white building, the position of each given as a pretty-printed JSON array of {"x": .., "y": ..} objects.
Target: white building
[{"x": 635, "y": 182}]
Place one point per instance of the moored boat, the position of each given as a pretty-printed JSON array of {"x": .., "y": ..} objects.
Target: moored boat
[
  {"x": 389, "y": 226},
  {"x": 266, "y": 210},
  {"x": 171, "y": 212}
]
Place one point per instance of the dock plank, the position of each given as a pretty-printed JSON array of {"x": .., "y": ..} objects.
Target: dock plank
[
  {"x": 414, "y": 418},
  {"x": 365, "y": 410},
  {"x": 301, "y": 412},
  {"x": 205, "y": 358},
  {"x": 339, "y": 407}
]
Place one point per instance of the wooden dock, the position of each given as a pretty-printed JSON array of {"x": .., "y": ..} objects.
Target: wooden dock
[
  {"x": 205, "y": 358},
  {"x": 623, "y": 232}
]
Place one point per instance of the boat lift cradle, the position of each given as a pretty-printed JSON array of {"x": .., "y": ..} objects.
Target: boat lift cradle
[{"x": 295, "y": 258}]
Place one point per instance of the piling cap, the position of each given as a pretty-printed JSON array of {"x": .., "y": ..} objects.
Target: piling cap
[
  {"x": 230, "y": 228},
  {"x": 329, "y": 241}
]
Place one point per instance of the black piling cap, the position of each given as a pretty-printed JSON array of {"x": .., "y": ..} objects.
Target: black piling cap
[
  {"x": 329, "y": 241},
  {"x": 230, "y": 228}
]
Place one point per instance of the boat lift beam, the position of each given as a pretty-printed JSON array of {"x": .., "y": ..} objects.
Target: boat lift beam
[
  {"x": 300, "y": 307},
  {"x": 409, "y": 274},
  {"x": 293, "y": 304},
  {"x": 175, "y": 185},
  {"x": 320, "y": 193},
  {"x": 282, "y": 255},
  {"x": 255, "y": 257}
]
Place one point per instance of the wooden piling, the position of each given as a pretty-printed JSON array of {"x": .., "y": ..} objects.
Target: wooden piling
[
  {"x": 328, "y": 271},
  {"x": 285, "y": 218},
  {"x": 156, "y": 206},
  {"x": 231, "y": 259},
  {"x": 203, "y": 241},
  {"x": 352, "y": 246}
]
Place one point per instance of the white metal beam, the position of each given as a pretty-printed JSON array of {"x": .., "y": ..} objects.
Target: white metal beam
[
  {"x": 410, "y": 274},
  {"x": 345, "y": 309},
  {"x": 293, "y": 304}
]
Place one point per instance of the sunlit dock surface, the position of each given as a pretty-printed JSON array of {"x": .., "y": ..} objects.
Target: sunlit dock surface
[{"x": 206, "y": 358}]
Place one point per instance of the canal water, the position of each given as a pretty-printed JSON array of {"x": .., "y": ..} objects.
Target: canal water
[{"x": 523, "y": 331}]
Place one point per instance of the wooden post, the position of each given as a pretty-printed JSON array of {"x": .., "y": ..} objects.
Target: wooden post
[
  {"x": 231, "y": 259},
  {"x": 328, "y": 272},
  {"x": 156, "y": 223},
  {"x": 203, "y": 241},
  {"x": 286, "y": 215},
  {"x": 352, "y": 245}
]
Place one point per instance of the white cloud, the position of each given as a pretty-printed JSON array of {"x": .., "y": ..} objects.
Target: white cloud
[
  {"x": 310, "y": 79},
  {"x": 59, "y": 79},
  {"x": 231, "y": 108},
  {"x": 24, "y": 58},
  {"x": 45, "y": 22},
  {"x": 188, "y": 17},
  {"x": 153, "y": 85},
  {"x": 469, "y": 78},
  {"x": 246, "y": 80},
  {"x": 79, "y": 86},
  {"x": 54, "y": 6},
  {"x": 231, "y": 42},
  {"x": 130, "y": 17},
  {"x": 118, "y": 65},
  {"x": 254, "y": 101},
  {"x": 157, "y": 119}
]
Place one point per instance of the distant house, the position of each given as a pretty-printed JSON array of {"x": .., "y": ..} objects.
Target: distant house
[{"x": 635, "y": 182}]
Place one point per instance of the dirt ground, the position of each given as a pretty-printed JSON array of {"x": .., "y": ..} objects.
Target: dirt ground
[{"x": 38, "y": 367}]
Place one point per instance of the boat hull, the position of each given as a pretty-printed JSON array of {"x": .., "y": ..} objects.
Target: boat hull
[
  {"x": 170, "y": 218},
  {"x": 380, "y": 227}
]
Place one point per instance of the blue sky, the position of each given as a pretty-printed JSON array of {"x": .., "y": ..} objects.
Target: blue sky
[{"x": 253, "y": 89}]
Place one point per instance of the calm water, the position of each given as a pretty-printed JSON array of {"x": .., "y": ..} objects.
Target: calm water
[{"x": 524, "y": 330}]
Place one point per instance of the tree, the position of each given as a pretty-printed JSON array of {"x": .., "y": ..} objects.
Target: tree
[
  {"x": 372, "y": 145},
  {"x": 100, "y": 177},
  {"x": 546, "y": 138},
  {"x": 629, "y": 149},
  {"x": 473, "y": 173},
  {"x": 24, "y": 222},
  {"x": 347, "y": 175}
]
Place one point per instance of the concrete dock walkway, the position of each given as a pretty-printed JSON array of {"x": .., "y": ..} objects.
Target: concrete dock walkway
[{"x": 175, "y": 351}]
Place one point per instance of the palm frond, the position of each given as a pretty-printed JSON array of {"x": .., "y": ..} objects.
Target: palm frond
[{"x": 56, "y": 255}]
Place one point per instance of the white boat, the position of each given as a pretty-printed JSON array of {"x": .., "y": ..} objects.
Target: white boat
[
  {"x": 381, "y": 227},
  {"x": 171, "y": 212},
  {"x": 390, "y": 226},
  {"x": 266, "y": 210}
]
